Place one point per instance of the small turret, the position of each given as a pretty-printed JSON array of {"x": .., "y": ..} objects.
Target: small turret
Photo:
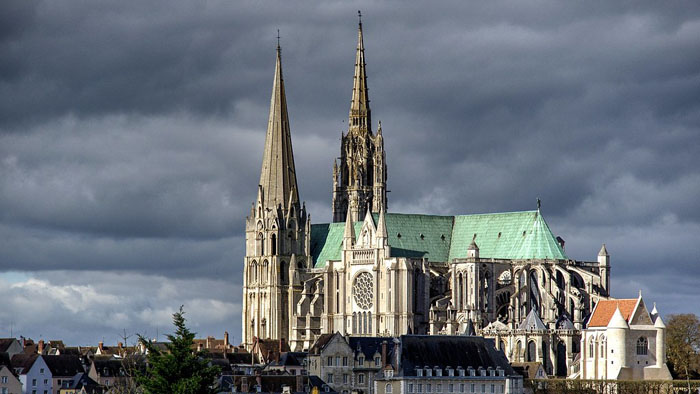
[
  {"x": 617, "y": 338},
  {"x": 604, "y": 269},
  {"x": 473, "y": 250},
  {"x": 349, "y": 234},
  {"x": 660, "y": 341}
]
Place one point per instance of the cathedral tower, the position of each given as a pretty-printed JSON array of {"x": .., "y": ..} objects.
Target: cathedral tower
[
  {"x": 277, "y": 231},
  {"x": 359, "y": 180}
]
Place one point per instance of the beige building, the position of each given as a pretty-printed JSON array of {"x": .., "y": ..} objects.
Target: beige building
[
  {"x": 624, "y": 341},
  {"x": 372, "y": 272},
  {"x": 9, "y": 383}
]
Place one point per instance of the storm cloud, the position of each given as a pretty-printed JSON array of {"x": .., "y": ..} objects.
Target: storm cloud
[{"x": 131, "y": 139}]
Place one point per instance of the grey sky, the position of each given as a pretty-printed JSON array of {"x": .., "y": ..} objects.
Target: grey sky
[{"x": 131, "y": 138}]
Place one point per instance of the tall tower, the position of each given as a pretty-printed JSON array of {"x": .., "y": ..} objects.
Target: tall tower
[
  {"x": 277, "y": 231},
  {"x": 359, "y": 180}
]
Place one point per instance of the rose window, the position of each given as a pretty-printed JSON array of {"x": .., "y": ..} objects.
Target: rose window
[{"x": 362, "y": 290}]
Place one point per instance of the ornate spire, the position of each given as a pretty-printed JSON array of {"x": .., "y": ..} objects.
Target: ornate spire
[
  {"x": 360, "y": 118},
  {"x": 278, "y": 177}
]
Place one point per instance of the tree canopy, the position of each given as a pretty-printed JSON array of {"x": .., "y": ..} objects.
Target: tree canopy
[
  {"x": 683, "y": 345},
  {"x": 177, "y": 369}
]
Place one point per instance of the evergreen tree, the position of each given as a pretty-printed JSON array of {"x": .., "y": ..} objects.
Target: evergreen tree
[{"x": 178, "y": 369}]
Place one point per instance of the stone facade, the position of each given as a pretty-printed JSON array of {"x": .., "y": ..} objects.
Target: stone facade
[{"x": 377, "y": 273}]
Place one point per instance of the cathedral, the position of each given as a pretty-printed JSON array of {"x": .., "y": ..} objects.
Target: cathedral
[{"x": 373, "y": 272}]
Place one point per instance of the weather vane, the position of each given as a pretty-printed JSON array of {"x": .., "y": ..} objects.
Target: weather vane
[{"x": 278, "y": 38}]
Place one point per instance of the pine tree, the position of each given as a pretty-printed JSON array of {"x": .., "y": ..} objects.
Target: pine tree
[{"x": 179, "y": 369}]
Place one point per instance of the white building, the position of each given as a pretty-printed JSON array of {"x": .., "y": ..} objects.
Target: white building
[{"x": 623, "y": 340}]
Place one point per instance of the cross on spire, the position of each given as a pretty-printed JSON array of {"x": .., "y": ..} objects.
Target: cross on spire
[
  {"x": 278, "y": 39},
  {"x": 359, "y": 16}
]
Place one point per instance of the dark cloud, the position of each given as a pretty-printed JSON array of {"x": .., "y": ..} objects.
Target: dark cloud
[{"x": 131, "y": 133}]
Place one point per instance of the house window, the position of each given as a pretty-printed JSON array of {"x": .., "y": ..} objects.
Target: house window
[
  {"x": 439, "y": 388},
  {"x": 642, "y": 346},
  {"x": 33, "y": 382},
  {"x": 361, "y": 378},
  {"x": 493, "y": 389},
  {"x": 377, "y": 361},
  {"x": 410, "y": 387},
  {"x": 428, "y": 388},
  {"x": 451, "y": 388},
  {"x": 41, "y": 370},
  {"x": 46, "y": 381},
  {"x": 361, "y": 361},
  {"x": 345, "y": 378},
  {"x": 419, "y": 387},
  {"x": 4, "y": 379},
  {"x": 387, "y": 388},
  {"x": 329, "y": 362},
  {"x": 345, "y": 361},
  {"x": 329, "y": 378},
  {"x": 337, "y": 361}
]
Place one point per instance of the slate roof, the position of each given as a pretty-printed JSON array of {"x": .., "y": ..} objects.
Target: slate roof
[
  {"x": 369, "y": 346},
  {"x": 5, "y": 343},
  {"x": 22, "y": 363},
  {"x": 605, "y": 309},
  {"x": 82, "y": 380},
  {"x": 564, "y": 323},
  {"x": 108, "y": 368},
  {"x": 320, "y": 343},
  {"x": 510, "y": 235},
  {"x": 532, "y": 322},
  {"x": 418, "y": 351},
  {"x": 64, "y": 365}
]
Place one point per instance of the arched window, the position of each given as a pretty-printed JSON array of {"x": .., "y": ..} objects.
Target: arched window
[
  {"x": 273, "y": 244},
  {"x": 531, "y": 351},
  {"x": 642, "y": 346},
  {"x": 354, "y": 322},
  {"x": 591, "y": 348},
  {"x": 369, "y": 322},
  {"x": 387, "y": 388},
  {"x": 460, "y": 292},
  {"x": 259, "y": 245}
]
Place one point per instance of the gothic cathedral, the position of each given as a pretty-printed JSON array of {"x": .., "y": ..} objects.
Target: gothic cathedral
[{"x": 371, "y": 272}]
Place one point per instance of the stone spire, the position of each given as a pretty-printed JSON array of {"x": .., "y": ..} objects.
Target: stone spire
[
  {"x": 278, "y": 177},
  {"x": 360, "y": 115}
]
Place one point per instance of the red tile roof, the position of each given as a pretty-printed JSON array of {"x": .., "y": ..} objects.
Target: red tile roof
[{"x": 605, "y": 309}]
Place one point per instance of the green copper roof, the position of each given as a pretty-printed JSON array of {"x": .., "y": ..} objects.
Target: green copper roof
[
  {"x": 419, "y": 236},
  {"x": 512, "y": 235}
]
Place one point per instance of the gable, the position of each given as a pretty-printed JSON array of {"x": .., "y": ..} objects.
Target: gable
[{"x": 641, "y": 316}]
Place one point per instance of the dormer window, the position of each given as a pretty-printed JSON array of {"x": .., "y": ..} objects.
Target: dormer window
[{"x": 419, "y": 372}]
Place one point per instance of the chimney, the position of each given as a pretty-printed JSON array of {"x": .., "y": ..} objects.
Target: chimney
[
  {"x": 40, "y": 349},
  {"x": 101, "y": 346},
  {"x": 383, "y": 354},
  {"x": 226, "y": 339}
]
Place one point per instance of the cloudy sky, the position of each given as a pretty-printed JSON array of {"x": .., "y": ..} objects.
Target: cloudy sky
[{"x": 131, "y": 137}]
